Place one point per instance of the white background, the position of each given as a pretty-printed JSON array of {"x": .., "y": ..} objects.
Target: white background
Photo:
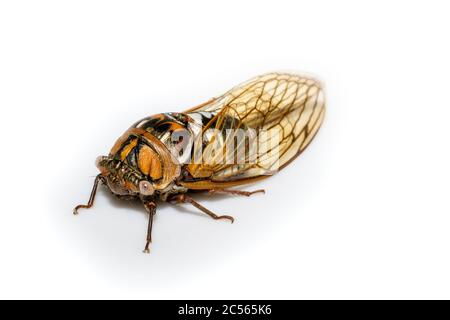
[{"x": 363, "y": 213}]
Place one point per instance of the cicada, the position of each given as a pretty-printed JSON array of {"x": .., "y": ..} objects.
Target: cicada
[{"x": 245, "y": 135}]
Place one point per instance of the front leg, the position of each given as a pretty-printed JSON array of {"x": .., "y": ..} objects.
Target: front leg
[
  {"x": 150, "y": 206},
  {"x": 99, "y": 178}
]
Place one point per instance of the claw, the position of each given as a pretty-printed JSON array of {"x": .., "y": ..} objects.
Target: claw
[
  {"x": 257, "y": 191},
  {"x": 75, "y": 210},
  {"x": 226, "y": 217},
  {"x": 147, "y": 249}
]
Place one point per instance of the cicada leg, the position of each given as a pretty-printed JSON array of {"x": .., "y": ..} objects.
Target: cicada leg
[
  {"x": 236, "y": 192},
  {"x": 150, "y": 206},
  {"x": 90, "y": 203},
  {"x": 183, "y": 198}
]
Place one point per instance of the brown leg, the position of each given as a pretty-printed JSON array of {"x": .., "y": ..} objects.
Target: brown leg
[
  {"x": 90, "y": 203},
  {"x": 236, "y": 192},
  {"x": 182, "y": 198},
  {"x": 150, "y": 206}
]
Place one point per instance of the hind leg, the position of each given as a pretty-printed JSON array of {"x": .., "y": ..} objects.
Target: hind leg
[
  {"x": 183, "y": 198},
  {"x": 236, "y": 192}
]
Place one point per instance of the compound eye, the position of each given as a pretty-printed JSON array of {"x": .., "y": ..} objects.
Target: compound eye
[
  {"x": 145, "y": 188},
  {"x": 98, "y": 160}
]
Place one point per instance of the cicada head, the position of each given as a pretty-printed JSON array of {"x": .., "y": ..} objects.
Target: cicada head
[{"x": 122, "y": 179}]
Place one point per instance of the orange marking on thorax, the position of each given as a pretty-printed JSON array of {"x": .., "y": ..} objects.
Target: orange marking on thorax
[
  {"x": 149, "y": 163},
  {"x": 126, "y": 150}
]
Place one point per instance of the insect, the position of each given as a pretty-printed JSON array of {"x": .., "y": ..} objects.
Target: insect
[{"x": 245, "y": 135}]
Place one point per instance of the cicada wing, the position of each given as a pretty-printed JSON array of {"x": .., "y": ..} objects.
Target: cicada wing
[{"x": 285, "y": 111}]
